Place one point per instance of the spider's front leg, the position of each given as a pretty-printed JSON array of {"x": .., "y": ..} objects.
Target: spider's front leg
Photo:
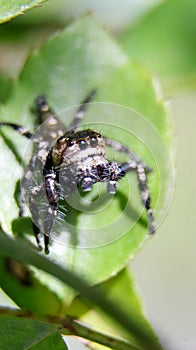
[
  {"x": 144, "y": 190},
  {"x": 118, "y": 146},
  {"x": 50, "y": 181},
  {"x": 141, "y": 168},
  {"x": 116, "y": 171}
]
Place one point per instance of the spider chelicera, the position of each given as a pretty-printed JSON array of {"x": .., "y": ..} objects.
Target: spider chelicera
[{"x": 73, "y": 159}]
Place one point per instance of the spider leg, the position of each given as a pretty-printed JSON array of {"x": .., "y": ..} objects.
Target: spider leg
[
  {"x": 50, "y": 214},
  {"x": 144, "y": 190},
  {"x": 26, "y": 179},
  {"x": 115, "y": 172},
  {"x": 29, "y": 170},
  {"x": 35, "y": 192},
  {"x": 118, "y": 146},
  {"x": 81, "y": 110},
  {"x": 51, "y": 126},
  {"x": 18, "y": 128},
  {"x": 52, "y": 197},
  {"x": 24, "y": 183},
  {"x": 37, "y": 234},
  {"x": 50, "y": 183},
  {"x": 48, "y": 225},
  {"x": 141, "y": 169}
]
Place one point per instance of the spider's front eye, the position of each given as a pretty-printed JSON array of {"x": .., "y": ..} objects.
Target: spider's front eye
[
  {"x": 82, "y": 144},
  {"x": 93, "y": 141},
  {"x": 70, "y": 143}
]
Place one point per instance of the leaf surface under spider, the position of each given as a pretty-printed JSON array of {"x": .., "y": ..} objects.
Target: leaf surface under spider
[{"x": 72, "y": 63}]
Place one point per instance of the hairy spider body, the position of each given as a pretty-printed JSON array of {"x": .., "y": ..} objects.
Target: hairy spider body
[
  {"x": 83, "y": 154},
  {"x": 71, "y": 160}
]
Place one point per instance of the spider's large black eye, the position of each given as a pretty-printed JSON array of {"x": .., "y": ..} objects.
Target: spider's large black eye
[
  {"x": 70, "y": 143},
  {"x": 82, "y": 144},
  {"x": 93, "y": 141}
]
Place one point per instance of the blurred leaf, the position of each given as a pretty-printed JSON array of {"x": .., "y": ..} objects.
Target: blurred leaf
[
  {"x": 28, "y": 292},
  {"x": 72, "y": 63},
  {"x": 165, "y": 42},
  {"x": 122, "y": 290},
  {"x": 21, "y": 333},
  {"x": 10, "y": 9},
  {"x": 6, "y": 86}
]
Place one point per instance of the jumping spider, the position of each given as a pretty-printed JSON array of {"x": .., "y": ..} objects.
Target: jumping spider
[{"x": 79, "y": 157}]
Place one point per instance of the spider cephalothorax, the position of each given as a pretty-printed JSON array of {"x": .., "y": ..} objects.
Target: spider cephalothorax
[
  {"x": 80, "y": 158},
  {"x": 71, "y": 160}
]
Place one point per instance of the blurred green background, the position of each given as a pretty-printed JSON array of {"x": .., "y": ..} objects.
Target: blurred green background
[
  {"x": 166, "y": 268},
  {"x": 162, "y": 36}
]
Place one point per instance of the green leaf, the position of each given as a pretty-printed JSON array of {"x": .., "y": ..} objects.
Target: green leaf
[
  {"x": 102, "y": 232},
  {"x": 164, "y": 41},
  {"x": 21, "y": 333},
  {"x": 53, "y": 342},
  {"x": 25, "y": 289},
  {"x": 6, "y": 85},
  {"x": 122, "y": 290},
  {"x": 10, "y": 9}
]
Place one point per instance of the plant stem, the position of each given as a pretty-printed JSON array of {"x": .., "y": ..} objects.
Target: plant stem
[{"x": 69, "y": 326}]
